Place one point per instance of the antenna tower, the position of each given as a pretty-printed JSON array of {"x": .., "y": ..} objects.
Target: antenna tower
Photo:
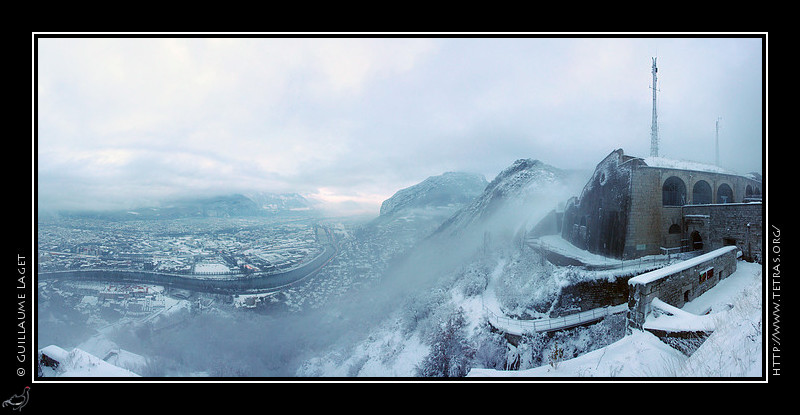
[
  {"x": 717, "y": 141},
  {"x": 654, "y": 126}
]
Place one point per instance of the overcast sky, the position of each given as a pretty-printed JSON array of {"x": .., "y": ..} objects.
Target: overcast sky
[{"x": 125, "y": 122}]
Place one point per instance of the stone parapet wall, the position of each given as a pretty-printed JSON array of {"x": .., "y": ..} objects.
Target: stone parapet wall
[{"x": 679, "y": 283}]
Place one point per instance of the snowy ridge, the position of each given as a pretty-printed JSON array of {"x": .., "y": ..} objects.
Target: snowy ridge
[
  {"x": 511, "y": 195},
  {"x": 448, "y": 189}
]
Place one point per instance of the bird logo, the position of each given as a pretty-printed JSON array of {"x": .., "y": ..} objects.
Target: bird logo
[{"x": 18, "y": 401}]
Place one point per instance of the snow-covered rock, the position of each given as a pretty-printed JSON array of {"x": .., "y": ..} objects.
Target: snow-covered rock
[
  {"x": 451, "y": 189},
  {"x": 520, "y": 195}
]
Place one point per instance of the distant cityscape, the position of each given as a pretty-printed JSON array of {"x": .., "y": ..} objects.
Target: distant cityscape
[{"x": 187, "y": 246}]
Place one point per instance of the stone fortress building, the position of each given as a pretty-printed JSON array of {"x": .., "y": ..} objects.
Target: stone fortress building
[{"x": 633, "y": 207}]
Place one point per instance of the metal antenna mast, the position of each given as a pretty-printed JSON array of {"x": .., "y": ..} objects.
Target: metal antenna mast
[
  {"x": 717, "y": 141},
  {"x": 654, "y": 126}
]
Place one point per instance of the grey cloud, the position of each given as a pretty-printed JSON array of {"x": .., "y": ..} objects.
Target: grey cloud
[{"x": 366, "y": 117}]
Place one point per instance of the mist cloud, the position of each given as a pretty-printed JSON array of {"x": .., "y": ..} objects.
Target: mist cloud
[{"x": 128, "y": 121}]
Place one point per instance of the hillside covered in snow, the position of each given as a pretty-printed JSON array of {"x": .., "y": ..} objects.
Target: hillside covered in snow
[
  {"x": 519, "y": 196},
  {"x": 410, "y": 293},
  {"x": 477, "y": 263}
]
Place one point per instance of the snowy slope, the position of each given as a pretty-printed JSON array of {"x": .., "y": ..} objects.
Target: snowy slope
[
  {"x": 99, "y": 345},
  {"x": 639, "y": 355},
  {"x": 734, "y": 349},
  {"x": 79, "y": 363},
  {"x": 413, "y": 213},
  {"x": 519, "y": 196}
]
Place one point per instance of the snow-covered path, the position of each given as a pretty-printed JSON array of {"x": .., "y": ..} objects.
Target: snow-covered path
[{"x": 520, "y": 327}]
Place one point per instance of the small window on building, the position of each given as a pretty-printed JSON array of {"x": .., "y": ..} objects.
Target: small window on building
[
  {"x": 674, "y": 228},
  {"x": 706, "y": 275}
]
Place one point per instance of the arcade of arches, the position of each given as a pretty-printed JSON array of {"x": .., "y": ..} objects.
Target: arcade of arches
[{"x": 673, "y": 193}]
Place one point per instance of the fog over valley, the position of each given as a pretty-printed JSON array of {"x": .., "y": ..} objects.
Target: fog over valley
[{"x": 385, "y": 266}]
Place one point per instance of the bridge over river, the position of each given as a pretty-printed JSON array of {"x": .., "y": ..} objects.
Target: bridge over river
[{"x": 222, "y": 284}]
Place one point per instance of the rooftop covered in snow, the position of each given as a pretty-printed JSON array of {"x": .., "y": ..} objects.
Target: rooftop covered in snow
[
  {"x": 651, "y": 276},
  {"x": 666, "y": 163}
]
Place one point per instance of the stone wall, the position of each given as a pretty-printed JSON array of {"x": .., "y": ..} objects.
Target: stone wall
[
  {"x": 591, "y": 294},
  {"x": 679, "y": 283},
  {"x": 597, "y": 221},
  {"x": 647, "y": 217},
  {"x": 739, "y": 224},
  {"x": 650, "y": 220}
]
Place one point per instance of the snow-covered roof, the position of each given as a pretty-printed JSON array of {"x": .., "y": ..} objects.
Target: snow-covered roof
[
  {"x": 79, "y": 363},
  {"x": 677, "y": 319},
  {"x": 56, "y": 353},
  {"x": 685, "y": 165},
  {"x": 651, "y": 276}
]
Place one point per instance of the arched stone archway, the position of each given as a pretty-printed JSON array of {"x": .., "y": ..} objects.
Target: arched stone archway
[
  {"x": 673, "y": 192},
  {"x": 724, "y": 194},
  {"x": 701, "y": 193}
]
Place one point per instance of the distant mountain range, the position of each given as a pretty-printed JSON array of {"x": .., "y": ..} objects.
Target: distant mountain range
[
  {"x": 452, "y": 202},
  {"x": 235, "y": 205},
  {"x": 279, "y": 202}
]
